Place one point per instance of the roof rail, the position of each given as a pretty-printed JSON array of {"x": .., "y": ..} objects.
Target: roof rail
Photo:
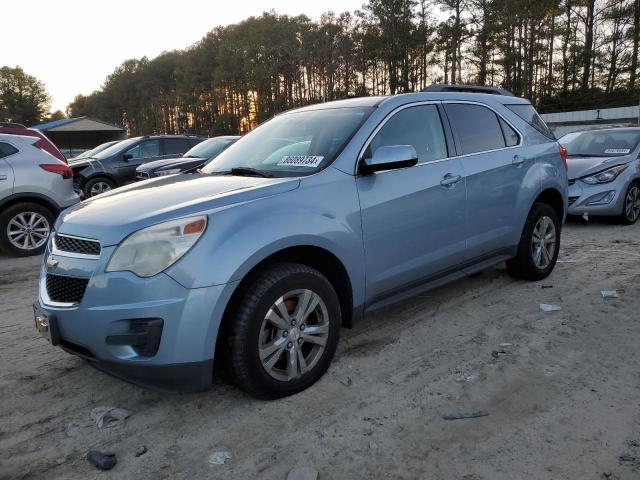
[
  {"x": 446, "y": 87},
  {"x": 11, "y": 125}
]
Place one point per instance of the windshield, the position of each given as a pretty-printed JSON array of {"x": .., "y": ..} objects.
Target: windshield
[
  {"x": 293, "y": 144},
  {"x": 209, "y": 148},
  {"x": 117, "y": 148},
  {"x": 601, "y": 143},
  {"x": 99, "y": 148}
]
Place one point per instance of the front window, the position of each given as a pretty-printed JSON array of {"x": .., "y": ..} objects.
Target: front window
[
  {"x": 601, "y": 143},
  {"x": 117, "y": 148},
  {"x": 146, "y": 149},
  {"x": 292, "y": 144}
]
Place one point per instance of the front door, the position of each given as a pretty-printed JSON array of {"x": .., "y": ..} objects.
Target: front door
[
  {"x": 412, "y": 218},
  {"x": 145, "y": 151}
]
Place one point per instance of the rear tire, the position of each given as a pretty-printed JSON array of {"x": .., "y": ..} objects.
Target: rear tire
[
  {"x": 98, "y": 185},
  {"x": 25, "y": 228},
  {"x": 631, "y": 205},
  {"x": 539, "y": 244},
  {"x": 264, "y": 342}
]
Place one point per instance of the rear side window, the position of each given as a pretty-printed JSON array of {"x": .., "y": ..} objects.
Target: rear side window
[
  {"x": 419, "y": 126},
  {"x": 477, "y": 127},
  {"x": 6, "y": 150},
  {"x": 174, "y": 146},
  {"x": 511, "y": 137},
  {"x": 529, "y": 115},
  {"x": 146, "y": 149}
]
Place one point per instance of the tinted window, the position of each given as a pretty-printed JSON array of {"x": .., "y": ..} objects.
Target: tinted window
[
  {"x": 6, "y": 150},
  {"x": 174, "y": 146},
  {"x": 146, "y": 149},
  {"x": 511, "y": 137},
  {"x": 418, "y": 126},
  {"x": 529, "y": 115},
  {"x": 477, "y": 127}
]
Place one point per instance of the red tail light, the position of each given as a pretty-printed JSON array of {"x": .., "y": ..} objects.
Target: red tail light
[
  {"x": 563, "y": 156},
  {"x": 59, "y": 168}
]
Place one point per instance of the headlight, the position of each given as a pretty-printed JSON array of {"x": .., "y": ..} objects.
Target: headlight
[
  {"x": 604, "y": 177},
  {"x": 164, "y": 173},
  {"x": 151, "y": 250}
]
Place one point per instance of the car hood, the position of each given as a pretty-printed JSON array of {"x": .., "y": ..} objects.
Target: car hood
[
  {"x": 583, "y": 166},
  {"x": 147, "y": 167},
  {"x": 113, "y": 215}
]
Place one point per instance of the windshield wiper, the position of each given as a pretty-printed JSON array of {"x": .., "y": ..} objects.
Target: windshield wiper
[
  {"x": 249, "y": 172},
  {"x": 587, "y": 155}
]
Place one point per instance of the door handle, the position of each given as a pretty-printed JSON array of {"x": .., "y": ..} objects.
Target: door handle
[
  {"x": 3, "y": 177},
  {"x": 517, "y": 160},
  {"x": 450, "y": 180}
]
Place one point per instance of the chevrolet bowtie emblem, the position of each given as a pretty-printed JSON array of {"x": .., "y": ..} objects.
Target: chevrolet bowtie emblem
[{"x": 50, "y": 263}]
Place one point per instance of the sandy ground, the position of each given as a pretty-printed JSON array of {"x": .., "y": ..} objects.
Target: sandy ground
[{"x": 563, "y": 400}]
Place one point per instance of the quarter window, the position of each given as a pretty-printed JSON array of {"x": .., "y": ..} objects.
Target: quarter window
[
  {"x": 146, "y": 149},
  {"x": 477, "y": 127},
  {"x": 6, "y": 150},
  {"x": 511, "y": 137},
  {"x": 419, "y": 126}
]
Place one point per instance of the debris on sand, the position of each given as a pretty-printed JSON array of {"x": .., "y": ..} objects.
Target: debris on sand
[
  {"x": 498, "y": 353},
  {"x": 218, "y": 458},
  {"x": 346, "y": 381},
  {"x": 461, "y": 416},
  {"x": 609, "y": 294},
  {"x": 106, "y": 417},
  {"x": 141, "y": 450},
  {"x": 545, "y": 307},
  {"x": 303, "y": 472},
  {"x": 102, "y": 460}
]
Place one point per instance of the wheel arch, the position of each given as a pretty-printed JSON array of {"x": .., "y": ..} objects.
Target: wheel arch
[
  {"x": 313, "y": 256},
  {"x": 554, "y": 199},
  {"x": 31, "y": 198}
]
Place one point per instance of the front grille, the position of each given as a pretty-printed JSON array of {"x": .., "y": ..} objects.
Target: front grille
[
  {"x": 66, "y": 289},
  {"x": 572, "y": 200},
  {"x": 77, "y": 245}
]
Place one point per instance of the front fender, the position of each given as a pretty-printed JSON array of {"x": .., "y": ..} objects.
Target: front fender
[{"x": 323, "y": 212}]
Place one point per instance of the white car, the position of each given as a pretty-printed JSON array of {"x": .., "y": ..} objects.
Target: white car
[{"x": 34, "y": 187}]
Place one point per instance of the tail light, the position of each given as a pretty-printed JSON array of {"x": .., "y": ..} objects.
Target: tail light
[
  {"x": 563, "y": 156},
  {"x": 59, "y": 168}
]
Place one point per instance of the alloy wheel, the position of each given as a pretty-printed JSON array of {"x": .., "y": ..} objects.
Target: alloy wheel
[
  {"x": 632, "y": 204},
  {"x": 293, "y": 335},
  {"x": 543, "y": 242},
  {"x": 28, "y": 230},
  {"x": 99, "y": 187}
]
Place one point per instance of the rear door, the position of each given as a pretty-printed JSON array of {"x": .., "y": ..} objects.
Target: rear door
[
  {"x": 6, "y": 172},
  {"x": 495, "y": 169}
]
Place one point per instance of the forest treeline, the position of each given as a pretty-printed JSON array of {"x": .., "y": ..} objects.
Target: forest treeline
[{"x": 561, "y": 54}]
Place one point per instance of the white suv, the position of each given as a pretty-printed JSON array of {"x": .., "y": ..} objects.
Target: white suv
[{"x": 34, "y": 187}]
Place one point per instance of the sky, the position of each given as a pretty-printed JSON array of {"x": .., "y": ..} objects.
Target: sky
[{"x": 72, "y": 45}]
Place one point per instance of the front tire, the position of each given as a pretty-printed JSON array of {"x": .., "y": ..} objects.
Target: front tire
[
  {"x": 631, "y": 206},
  {"x": 25, "y": 228},
  {"x": 96, "y": 186},
  {"x": 539, "y": 244},
  {"x": 284, "y": 331}
]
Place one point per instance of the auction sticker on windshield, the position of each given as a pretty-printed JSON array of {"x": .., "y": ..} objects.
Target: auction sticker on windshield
[
  {"x": 311, "y": 161},
  {"x": 617, "y": 150}
]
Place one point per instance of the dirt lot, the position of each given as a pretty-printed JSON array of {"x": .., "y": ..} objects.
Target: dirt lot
[{"x": 563, "y": 400}]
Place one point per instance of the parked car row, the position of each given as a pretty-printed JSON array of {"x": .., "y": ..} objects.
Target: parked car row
[{"x": 298, "y": 228}]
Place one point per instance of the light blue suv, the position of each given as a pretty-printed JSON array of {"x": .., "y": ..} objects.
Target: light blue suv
[{"x": 316, "y": 217}]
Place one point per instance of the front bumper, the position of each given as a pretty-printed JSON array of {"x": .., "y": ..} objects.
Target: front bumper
[
  {"x": 114, "y": 303},
  {"x": 605, "y": 199}
]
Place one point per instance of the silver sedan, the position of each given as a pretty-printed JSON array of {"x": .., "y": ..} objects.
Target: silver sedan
[{"x": 604, "y": 173}]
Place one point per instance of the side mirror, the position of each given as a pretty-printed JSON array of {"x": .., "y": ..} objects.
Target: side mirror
[
  {"x": 126, "y": 157},
  {"x": 390, "y": 157}
]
